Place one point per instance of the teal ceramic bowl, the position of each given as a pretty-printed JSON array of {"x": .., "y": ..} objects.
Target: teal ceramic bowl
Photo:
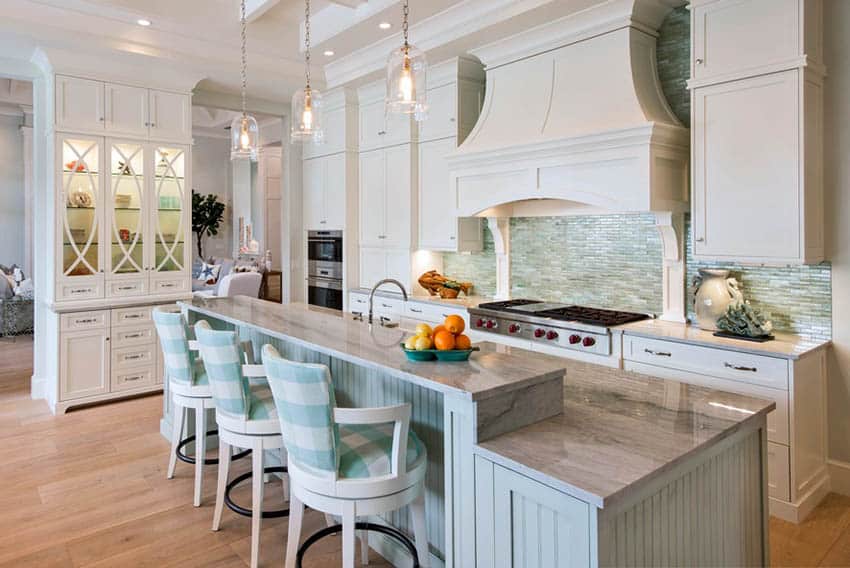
[{"x": 431, "y": 354}]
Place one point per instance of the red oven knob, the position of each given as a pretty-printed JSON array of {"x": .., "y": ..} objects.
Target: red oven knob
[
  {"x": 479, "y": 323},
  {"x": 588, "y": 342},
  {"x": 514, "y": 328},
  {"x": 491, "y": 324},
  {"x": 538, "y": 333},
  {"x": 575, "y": 339},
  {"x": 552, "y": 335}
]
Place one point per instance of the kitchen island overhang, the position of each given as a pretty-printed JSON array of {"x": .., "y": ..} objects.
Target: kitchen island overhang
[{"x": 458, "y": 408}]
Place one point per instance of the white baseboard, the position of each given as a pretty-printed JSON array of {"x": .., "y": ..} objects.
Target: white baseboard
[
  {"x": 797, "y": 512},
  {"x": 839, "y": 473},
  {"x": 38, "y": 388}
]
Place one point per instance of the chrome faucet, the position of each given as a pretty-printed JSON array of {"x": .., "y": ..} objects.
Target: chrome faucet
[{"x": 378, "y": 285}]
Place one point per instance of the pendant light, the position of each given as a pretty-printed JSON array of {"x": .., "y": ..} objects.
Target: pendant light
[
  {"x": 244, "y": 132},
  {"x": 407, "y": 77},
  {"x": 307, "y": 102}
]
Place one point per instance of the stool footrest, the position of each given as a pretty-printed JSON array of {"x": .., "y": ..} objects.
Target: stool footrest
[
  {"x": 334, "y": 529},
  {"x": 248, "y": 512},
  {"x": 207, "y": 461}
]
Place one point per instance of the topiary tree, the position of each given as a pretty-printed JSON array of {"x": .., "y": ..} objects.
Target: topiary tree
[{"x": 207, "y": 214}]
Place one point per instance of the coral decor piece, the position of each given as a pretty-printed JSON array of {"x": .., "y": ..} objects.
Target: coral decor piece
[
  {"x": 743, "y": 320},
  {"x": 437, "y": 284}
]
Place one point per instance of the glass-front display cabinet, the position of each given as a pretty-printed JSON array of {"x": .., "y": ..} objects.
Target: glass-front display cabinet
[
  {"x": 171, "y": 220},
  {"x": 127, "y": 264}
]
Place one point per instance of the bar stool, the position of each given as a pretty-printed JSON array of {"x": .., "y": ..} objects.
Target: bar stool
[
  {"x": 347, "y": 462},
  {"x": 245, "y": 413},
  {"x": 189, "y": 387}
]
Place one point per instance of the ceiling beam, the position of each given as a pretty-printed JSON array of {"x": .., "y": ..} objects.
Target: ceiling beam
[
  {"x": 254, "y": 9},
  {"x": 348, "y": 3}
]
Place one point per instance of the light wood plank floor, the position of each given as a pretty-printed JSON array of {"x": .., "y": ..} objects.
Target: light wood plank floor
[{"x": 89, "y": 489}]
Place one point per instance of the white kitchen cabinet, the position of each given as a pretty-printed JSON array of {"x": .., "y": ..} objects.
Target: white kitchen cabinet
[
  {"x": 313, "y": 182},
  {"x": 735, "y": 38},
  {"x": 796, "y": 430},
  {"x": 386, "y": 188},
  {"x": 127, "y": 112},
  {"x": 79, "y": 104},
  {"x": 340, "y": 125},
  {"x": 377, "y": 263},
  {"x": 170, "y": 116},
  {"x": 325, "y": 196},
  {"x": 94, "y": 107},
  {"x": 84, "y": 363},
  {"x": 379, "y": 130}
]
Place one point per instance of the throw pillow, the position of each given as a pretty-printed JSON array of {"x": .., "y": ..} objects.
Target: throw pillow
[
  {"x": 26, "y": 289},
  {"x": 6, "y": 290},
  {"x": 209, "y": 273}
]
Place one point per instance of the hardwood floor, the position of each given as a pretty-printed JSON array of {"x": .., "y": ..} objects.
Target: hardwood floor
[{"x": 89, "y": 489}]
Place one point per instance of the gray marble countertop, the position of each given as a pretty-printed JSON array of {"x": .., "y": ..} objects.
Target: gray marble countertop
[
  {"x": 785, "y": 346},
  {"x": 619, "y": 431},
  {"x": 488, "y": 373}
]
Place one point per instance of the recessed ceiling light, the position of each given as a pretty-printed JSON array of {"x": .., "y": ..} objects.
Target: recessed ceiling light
[
  {"x": 385, "y": 25},
  {"x": 329, "y": 53},
  {"x": 143, "y": 22}
]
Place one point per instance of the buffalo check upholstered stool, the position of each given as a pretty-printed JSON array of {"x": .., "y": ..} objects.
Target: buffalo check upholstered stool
[
  {"x": 346, "y": 462},
  {"x": 246, "y": 417}
]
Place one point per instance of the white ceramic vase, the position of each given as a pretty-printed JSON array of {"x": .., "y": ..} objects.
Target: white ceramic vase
[{"x": 714, "y": 292}]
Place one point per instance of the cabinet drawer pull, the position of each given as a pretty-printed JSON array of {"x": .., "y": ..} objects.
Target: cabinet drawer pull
[
  {"x": 658, "y": 353},
  {"x": 87, "y": 320},
  {"x": 135, "y": 357},
  {"x": 700, "y": 239},
  {"x": 134, "y": 378},
  {"x": 122, "y": 288},
  {"x": 132, "y": 316},
  {"x": 740, "y": 367},
  {"x": 386, "y": 306},
  {"x": 168, "y": 285},
  {"x": 133, "y": 335},
  {"x": 415, "y": 311},
  {"x": 382, "y": 132},
  {"x": 80, "y": 290}
]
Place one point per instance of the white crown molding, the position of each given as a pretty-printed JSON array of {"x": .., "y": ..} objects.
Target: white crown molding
[
  {"x": 11, "y": 109},
  {"x": 452, "y": 24}
]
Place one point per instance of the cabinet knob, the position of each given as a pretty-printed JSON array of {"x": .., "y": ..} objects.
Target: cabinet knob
[
  {"x": 101, "y": 119},
  {"x": 153, "y": 125},
  {"x": 699, "y": 61},
  {"x": 452, "y": 119},
  {"x": 700, "y": 239}
]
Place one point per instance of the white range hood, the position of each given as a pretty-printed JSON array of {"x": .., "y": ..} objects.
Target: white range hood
[
  {"x": 574, "y": 112},
  {"x": 574, "y": 122}
]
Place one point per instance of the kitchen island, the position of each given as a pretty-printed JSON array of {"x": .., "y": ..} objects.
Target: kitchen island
[{"x": 529, "y": 468}]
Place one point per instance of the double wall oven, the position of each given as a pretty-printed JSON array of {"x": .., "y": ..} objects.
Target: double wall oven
[{"x": 324, "y": 269}]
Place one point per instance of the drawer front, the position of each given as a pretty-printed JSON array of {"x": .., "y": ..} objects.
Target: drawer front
[
  {"x": 131, "y": 316},
  {"x": 85, "y": 320},
  {"x": 171, "y": 286},
  {"x": 127, "y": 288},
  {"x": 387, "y": 306},
  {"x": 358, "y": 303},
  {"x": 126, "y": 358},
  {"x": 752, "y": 369},
  {"x": 79, "y": 291},
  {"x": 125, "y": 337},
  {"x": 435, "y": 313},
  {"x": 778, "y": 471},
  {"x": 132, "y": 379}
]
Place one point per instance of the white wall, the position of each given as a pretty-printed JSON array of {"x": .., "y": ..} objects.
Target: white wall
[
  {"x": 12, "y": 202},
  {"x": 837, "y": 181},
  {"x": 211, "y": 174}
]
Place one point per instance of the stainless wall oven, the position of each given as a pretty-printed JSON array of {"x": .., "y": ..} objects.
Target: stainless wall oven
[{"x": 324, "y": 269}]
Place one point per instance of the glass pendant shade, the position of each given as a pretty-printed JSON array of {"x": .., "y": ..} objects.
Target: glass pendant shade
[
  {"x": 407, "y": 82},
  {"x": 244, "y": 138},
  {"x": 307, "y": 114}
]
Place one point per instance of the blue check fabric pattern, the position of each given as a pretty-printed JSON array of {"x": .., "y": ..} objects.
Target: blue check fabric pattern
[
  {"x": 232, "y": 393},
  {"x": 304, "y": 398},
  {"x": 181, "y": 364}
]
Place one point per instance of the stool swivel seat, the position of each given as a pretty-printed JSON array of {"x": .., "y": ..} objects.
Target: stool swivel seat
[
  {"x": 246, "y": 417},
  {"x": 345, "y": 462}
]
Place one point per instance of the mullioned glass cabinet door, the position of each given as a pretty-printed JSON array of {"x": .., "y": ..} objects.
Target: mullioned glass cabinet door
[
  {"x": 81, "y": 237},
  {"x": 127, "y": 211},
  {"x": 170, "y": 217}
]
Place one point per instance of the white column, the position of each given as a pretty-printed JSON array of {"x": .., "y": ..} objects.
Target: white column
[
  {"x": 671, "y": 226},
  {"x": 500, "y": 227},
  {"x": 26, "y": 135}
]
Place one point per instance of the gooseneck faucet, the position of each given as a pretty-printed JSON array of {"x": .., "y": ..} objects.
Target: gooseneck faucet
[{"x": 378, "y": 285}]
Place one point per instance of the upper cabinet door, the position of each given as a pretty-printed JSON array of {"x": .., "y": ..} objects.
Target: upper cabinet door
[
  {"x": 170, "y": 116},
  {"x": 379, "y": 130},
  {"x": 126, "y": 110},
  {"x": 442, "y": 114},
  {"x": 314, "y": 190},
  {"x": 732, "y": 36},
  {"x": 746, "y": 160},
  {"x": 437, "y": 200},
  {"x": 79, "y": 104},
  {"x": 336, "y": 203},
  {"x": 397, "y": 188},
  {"x": 372, "y": 201},
  {"x": 334, "y": 135}
]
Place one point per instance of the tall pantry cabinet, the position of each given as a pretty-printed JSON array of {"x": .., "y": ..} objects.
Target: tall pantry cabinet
[{"x": 121, "y": 230}]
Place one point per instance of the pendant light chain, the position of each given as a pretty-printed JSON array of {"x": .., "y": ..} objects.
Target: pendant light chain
[
  {"x": 404, "y": 29},
  {"x": 307, "y": 41},
  {"x": 244, "y": 62}
]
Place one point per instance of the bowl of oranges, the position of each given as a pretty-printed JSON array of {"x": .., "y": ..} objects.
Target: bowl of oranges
[{"x": 445, "y": 342}]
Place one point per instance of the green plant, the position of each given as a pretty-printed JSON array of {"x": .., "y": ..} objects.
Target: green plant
[{"x": 207, "y": 214}]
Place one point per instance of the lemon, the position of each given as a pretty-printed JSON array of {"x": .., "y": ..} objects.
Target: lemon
[
  {"x": 423, "y": 343},
  {"x": 423, "y": 330},
  {"x": 410, "y": 343}
]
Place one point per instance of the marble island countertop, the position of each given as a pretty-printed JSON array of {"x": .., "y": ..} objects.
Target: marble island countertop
[
  {"x": 619, "y": 431},
  {"x": 487, "y": 374},
  {"x": 786, "y": 345}
]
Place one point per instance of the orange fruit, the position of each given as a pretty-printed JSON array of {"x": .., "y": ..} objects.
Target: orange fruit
[
  {"x": 437, "y": 330},
  {"x": 463, "y": 342},
  {"x": 454, "y": 323},
  {"x": 444, "y": 341}
]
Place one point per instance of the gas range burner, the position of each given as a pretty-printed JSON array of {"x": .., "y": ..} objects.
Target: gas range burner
[
  {"x": 508, "y": 305},
  {"x": 592, "y": 316}
]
